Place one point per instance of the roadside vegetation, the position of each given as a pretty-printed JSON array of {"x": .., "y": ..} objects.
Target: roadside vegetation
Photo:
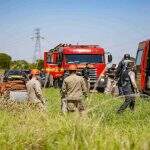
[
  {"x": 7, "y": 63},
  {"x": 101, "y": 128}
]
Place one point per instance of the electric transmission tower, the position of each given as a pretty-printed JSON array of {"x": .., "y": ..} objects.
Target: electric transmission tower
[{"x": 37, "y": 51}]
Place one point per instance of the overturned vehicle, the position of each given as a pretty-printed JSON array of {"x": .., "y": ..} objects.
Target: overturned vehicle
[{"x": 14, "y": 85}]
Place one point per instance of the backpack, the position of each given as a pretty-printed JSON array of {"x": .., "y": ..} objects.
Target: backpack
[{"x": 124, "y": 77}]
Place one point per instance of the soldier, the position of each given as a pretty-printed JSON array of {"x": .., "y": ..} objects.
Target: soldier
[
  {"x": 129, "y": 87},
  {"x": 34, "y": 91},
  {"x": 110, "y": 73},
  {"x": 119, "y": 70},
  {"x": 85, "y": 74},
  {"x": 73, "y": 92}
]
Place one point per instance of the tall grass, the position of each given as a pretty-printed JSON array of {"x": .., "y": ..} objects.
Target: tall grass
[{"x": 102, "y": 128}]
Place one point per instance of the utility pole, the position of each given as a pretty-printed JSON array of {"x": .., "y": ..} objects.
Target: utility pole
[{"x": 37, "y": 51}]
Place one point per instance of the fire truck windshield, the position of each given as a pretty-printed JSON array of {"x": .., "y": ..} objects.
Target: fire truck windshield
[{"x": 84, "y": 58}]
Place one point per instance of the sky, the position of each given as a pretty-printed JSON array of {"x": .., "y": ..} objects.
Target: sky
[{"x": 116, "y": 25}]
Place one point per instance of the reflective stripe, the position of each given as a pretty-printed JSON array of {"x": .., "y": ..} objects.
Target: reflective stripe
[
  {"x": 50, "y": 69},
  {"x": 55, "y": 69}
]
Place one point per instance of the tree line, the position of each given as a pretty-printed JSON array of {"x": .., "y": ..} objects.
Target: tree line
[{"x": 6, "y": 62}]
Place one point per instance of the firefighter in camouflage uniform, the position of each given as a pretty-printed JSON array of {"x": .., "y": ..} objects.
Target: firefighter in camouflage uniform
[
  {"x": 35, "y": 96},
  {"x": 73, "y": 92}
]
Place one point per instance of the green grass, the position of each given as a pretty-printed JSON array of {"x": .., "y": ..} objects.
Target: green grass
[{"x": 102, "y": 128}]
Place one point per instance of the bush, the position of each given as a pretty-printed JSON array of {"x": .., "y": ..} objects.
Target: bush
[
  {"x": 40, "y": 64},
  {"x": 19, "y": 64}
]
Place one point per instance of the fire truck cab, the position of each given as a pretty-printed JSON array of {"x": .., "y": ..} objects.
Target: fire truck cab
[
  {"x": 143, "y": 66},
  {"x": 57, "y": 60}
]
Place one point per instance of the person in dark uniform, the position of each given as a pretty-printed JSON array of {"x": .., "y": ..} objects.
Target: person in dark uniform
[
  {"x": 119, "y": 70},
  {"x": 129, "y": 87},
  {"x": 86, "y": 74}
]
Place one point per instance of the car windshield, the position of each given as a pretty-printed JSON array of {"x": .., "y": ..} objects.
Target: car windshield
[
  {"x": 84, "y": 58},
  {"x": 26, "y": 72},
  {"x": 15, "y": 72}
]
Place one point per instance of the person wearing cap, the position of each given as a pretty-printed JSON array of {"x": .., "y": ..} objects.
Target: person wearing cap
[
  {"x": 129, "y": 87},
  {"x": 120, "y": 68},
  {"x": 73, "y": 92},
  {"x": 34, "y": 91}
]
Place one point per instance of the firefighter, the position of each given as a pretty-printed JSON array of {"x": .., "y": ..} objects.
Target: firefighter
[
  {"x": 73, "y": 92},
  {"x": 86, "y": 74},
  {"x": 119, "y": 70},
  {"x": 110, "y": 74},
  {"x": 34, "y": 91},
  {"x": 129, "y": 87}
]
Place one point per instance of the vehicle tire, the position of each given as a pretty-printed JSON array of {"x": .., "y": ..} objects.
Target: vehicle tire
[{"x": 100, "y": 89}]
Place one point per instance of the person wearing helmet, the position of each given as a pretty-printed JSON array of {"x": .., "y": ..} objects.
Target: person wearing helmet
[
  {"x": 34, "y": 91},
  {"x": 119, "y": 70},
  {"x": 127, "y": 57},
  {"x": 129, "y": 87},
  {"x": 73, "y": 92}
]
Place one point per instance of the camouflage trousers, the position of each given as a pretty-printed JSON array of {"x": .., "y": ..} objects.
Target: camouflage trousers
[{"x": 72, "y": 105}]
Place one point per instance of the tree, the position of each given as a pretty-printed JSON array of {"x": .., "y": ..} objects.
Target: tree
[
  {"x": 33, "y": 66},
  {"x": 5, "y": 61},
  {"x": 40, "y": 64},
  {"x": 19, "y": 64}
]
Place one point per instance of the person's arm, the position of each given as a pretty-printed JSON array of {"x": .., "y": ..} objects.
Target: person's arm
[
  {"x": 110, "y": 73},
  {"x": 118, "y": 70},
  {"x": 133, "y": 81},
  {"x": 64, "y": 89},
  {"x": 38, "y": 91},
  {"x": 107, "y": 71},
  {"x": 84, "y": 88}
]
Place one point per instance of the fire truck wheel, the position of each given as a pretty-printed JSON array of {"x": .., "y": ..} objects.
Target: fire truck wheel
[{"x": 100, "y": 89}]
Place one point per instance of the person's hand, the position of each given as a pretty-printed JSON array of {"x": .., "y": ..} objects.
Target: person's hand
[{"x": 44, "y": 101}]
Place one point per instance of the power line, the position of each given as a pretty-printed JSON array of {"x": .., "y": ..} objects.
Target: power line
[{"x": 37, "y": 51}]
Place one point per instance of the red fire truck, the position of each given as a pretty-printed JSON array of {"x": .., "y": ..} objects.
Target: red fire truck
[
  {"x": 143, "y": 66},
  {"x": 57, "y": 60}
]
